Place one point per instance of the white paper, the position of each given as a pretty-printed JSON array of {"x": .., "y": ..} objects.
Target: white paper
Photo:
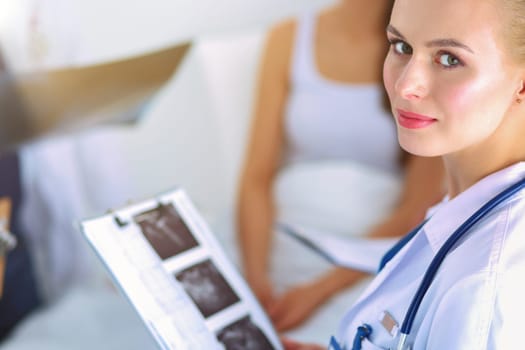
[
  {"x": 167, "y": 262},
  {"x": 363, "y": 254}
]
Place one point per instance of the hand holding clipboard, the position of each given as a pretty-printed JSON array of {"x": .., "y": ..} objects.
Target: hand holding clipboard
[{"x": 7, "y": 241}]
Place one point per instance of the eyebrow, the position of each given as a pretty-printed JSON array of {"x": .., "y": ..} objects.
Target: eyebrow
[{"x": 433, "y": 43}]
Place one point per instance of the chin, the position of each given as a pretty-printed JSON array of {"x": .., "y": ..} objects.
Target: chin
[{"x": 418, "y": 146}]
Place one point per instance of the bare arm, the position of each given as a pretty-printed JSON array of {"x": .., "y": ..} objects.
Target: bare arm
[
  {"x": 423, "y": 186},
  {"x": 255, "y": 211}
]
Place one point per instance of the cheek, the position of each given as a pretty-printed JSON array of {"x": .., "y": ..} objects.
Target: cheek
[
  {"x": 465, "y": 99},
  {"x": 473, "y": 108},
  {"x": 458, "y": 98},
  {"x": 389, "y": 77}
]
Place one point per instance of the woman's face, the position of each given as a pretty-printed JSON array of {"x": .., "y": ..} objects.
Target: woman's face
[{"x": 448, "y": 76}]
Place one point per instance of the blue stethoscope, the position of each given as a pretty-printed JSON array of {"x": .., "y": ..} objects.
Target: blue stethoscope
[{"x": 365, "y": 330}]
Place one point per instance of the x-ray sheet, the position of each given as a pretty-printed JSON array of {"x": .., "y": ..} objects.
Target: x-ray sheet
[
  {"x": 352, "y": 252},
  {"x": 172, "y": 269}
]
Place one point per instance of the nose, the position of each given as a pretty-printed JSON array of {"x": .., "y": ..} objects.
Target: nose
[{"x": 412, "y": 83}]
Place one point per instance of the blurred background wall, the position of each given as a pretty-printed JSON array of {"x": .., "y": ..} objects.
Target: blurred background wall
[{"x": 193, "y": 133}]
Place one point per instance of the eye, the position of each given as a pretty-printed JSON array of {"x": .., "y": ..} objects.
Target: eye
[
  {"x": 448, "y": 60},
  {"x": 400, "y": 47}
]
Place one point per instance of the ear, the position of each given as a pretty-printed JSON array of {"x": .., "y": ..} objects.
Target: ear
[{"x": 520, "y": 93}]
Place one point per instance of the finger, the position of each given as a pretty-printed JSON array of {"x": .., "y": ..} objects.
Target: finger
[{"x": 295, "y": 315}]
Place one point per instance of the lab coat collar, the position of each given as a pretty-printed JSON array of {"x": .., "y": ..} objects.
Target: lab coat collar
[{"x": 448, "y": 215}]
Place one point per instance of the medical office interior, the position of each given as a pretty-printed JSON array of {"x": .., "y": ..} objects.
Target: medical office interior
[{"x": 191, "y": 133}]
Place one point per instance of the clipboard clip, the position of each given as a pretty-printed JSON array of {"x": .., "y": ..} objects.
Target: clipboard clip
[{"x": 123, "y": 220}]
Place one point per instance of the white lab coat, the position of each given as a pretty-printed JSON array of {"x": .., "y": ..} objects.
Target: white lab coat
[
  {"x": 476, "y": 299},
  {"x": 64, "y": 180}
]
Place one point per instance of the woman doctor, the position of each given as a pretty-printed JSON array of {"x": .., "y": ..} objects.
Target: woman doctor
[{"x": 455, "y": 76}]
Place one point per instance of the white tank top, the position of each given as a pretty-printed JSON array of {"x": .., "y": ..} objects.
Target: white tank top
[{"x": 330, "y": 120}]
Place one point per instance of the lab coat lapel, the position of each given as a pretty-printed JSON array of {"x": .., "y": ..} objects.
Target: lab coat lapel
[{"x": 388, "y": 269}]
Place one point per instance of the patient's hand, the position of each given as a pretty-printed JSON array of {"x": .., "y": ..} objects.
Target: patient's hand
[
  {"x": 296, "y": 305},
  {"x": 293, "y": 345},
  {"x": 299, "y": 303}
]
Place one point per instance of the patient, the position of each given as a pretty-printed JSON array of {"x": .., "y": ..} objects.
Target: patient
[{"x": 314, "y": 71}]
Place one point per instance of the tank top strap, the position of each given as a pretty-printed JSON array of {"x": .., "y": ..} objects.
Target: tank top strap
[{"x": 303, "y": 56}]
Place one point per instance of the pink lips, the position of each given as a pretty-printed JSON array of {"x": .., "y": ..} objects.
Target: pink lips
[{"x": 411, "y": 120}]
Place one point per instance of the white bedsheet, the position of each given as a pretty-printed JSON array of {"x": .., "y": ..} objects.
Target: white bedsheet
[{"x": 84, "y": 319}]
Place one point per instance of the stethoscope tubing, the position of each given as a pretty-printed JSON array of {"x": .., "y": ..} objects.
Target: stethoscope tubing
[{"x": 447, "y": 247}]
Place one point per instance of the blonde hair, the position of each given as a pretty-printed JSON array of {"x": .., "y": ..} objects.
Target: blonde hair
[{"x": 514, "y": 28}]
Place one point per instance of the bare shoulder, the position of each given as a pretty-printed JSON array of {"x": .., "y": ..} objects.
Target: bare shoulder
[
  {"x": 283, "y": 32},
  {"x": 280, "y": 39}
]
